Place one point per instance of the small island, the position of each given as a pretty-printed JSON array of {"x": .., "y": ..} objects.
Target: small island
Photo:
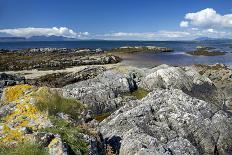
[
  {"x": 134, "y": 49},
  {"x": 205, "y": 51}
]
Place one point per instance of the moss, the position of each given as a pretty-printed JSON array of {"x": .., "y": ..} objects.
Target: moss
[
  {"x": 206, "y": 53},
  {"x": 69, "y": 134},
  {"x": 140, "y": 93},
  {"x": 15, "y": 92},
  {"x": 23, "y": 149},
  {"x": 102, "y": 116},
  {"x": 52, "y": 102}
]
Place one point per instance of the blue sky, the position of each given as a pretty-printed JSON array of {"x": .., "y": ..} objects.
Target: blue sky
[{"x": 117, "y": 19}]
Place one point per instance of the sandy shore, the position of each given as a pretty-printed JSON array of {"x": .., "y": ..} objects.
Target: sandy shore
[{"x": 32, "y": 74}]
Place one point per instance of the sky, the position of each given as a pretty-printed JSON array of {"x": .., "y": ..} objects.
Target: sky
[{"x": 117, "y": 19}]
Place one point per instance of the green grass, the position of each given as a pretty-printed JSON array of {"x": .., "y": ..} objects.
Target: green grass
[
  {"x": 102, "y": 116},
  {"x": 54, "y": 103},
  {"x": 23, "y": 149},
  {"x": 69, "y": 134},
  {"x": 206, "y": 53},
  {"x": 139, "y": 93}
]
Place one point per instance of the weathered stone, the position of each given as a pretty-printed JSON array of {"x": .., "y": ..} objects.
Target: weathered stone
[
  {"x": 186, "y": 79},
  {"x": 103, "y": 93},
  {"x": 57, "y": 147},
  {"x": 168, "y": 122}
]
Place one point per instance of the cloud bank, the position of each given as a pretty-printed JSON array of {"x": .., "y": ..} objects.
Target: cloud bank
[
  {"x": 31, "y": 31},
  {"x": 207, "y": 18},
  {"x": 204, "y": 23}
]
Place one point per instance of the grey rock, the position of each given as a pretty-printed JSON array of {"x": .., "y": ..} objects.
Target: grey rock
[
  {"x": 43, "y": 138},
  {"x": 168, "y": 121},
  {"x": 186, "y": 79},
  {"x": 95, "y": 144},
  {"x": 102, "y": 93}
]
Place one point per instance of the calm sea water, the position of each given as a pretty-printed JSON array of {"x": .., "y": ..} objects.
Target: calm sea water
[{"x": 178, "y": 57}]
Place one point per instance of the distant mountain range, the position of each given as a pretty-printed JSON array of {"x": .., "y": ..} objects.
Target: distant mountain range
[
  {"x": 61, "y": 38},
  {"x": 207, "y": 38}
]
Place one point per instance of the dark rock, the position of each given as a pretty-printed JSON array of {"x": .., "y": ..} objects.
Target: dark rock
[{"x": 57, "y": 80}]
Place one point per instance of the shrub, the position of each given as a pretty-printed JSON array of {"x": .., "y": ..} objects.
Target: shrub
[
  {"x": 69, "y": 134},
  {"x": 53, "y": 103},
  {"x": 23, "y": 149}
]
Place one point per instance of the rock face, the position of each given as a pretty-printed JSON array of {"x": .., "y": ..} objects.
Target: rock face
[
  {"x": 102, "y": 94},
  {"x": 221, "y": 76},
  {"x": 168, "y": 121},
  {"x": 186, "y": 79}
]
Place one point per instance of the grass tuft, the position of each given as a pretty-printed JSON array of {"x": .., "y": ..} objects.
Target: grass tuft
[
  {"x": 53, "y": 103},
  {"x": 23, "y": 149},
  {"x": 69, "y": 134}
]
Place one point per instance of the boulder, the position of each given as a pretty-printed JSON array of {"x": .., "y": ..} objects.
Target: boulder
[
  {"x": 186, "y": 79},
  {"x": 102, "y": 93},
  {"x": 168, "y": 121}
]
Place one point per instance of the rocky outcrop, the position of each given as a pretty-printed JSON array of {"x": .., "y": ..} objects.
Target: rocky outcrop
[
  {"x": 9, "y": 80},
  {"x": 168, "y": 121},
  {"x": 103, "y": 93},
  {"x": 134, "y": 49},
  {"x": 57, "y": 80},
  {"x": 53, "y": 58},
  {"x": 221, "y": 76},
  {"x": 206, "y": 51},
  {"x": 186, "y": 79}
]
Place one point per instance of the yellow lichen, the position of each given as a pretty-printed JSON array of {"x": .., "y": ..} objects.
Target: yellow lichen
[
  {"x": 24, "y": 114},
  {"x": 15, "y": 92}
]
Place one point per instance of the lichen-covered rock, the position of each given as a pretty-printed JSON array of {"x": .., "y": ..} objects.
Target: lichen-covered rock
[
  {"x": 15, "y": 92},
  {"x": 102, "y": 94},
  {"x": 57, "y": 147},
  {"x": 9, "y": 80},
  {"x": 168, "y": 122},
  {"x": 19, "y": 115},
  {"x": 186, "y": 79}
]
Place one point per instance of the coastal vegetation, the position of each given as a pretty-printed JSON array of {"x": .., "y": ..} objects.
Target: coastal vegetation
[
  {"x": 24, "y": 149},
  {"x": 51, "y": 102},
  {"x": 206, "y": 51},
  {"x": 52, "y": 59},
  {"x": 134, "y": 49}
]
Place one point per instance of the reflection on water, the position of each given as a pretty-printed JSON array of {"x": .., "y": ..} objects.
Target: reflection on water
[{"x": 176, "y": 59}]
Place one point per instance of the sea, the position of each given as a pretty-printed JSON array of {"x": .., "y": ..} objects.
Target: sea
[{"x": 176, "y": 58}]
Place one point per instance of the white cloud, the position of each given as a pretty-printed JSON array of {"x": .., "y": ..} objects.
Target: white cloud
[
  {"x": 208, "y": 18},
  {"x": 167, "y": 35},
  {"x": 184, "y": 24},
  {"x": 160, "y": 35},
  {"x": 31, "y": 31}
]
